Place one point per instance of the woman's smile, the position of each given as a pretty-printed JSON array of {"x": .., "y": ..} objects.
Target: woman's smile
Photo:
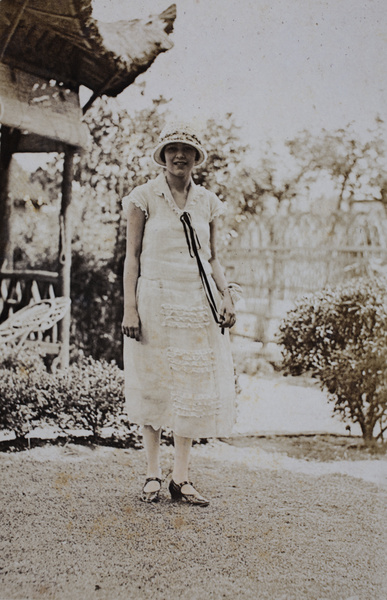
[{"x": 179, "y": 157}]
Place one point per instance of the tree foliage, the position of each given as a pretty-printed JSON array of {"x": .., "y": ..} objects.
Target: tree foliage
[
  {"x": 356, "y": 167},
  {"x": 340, "y": 165},
  {"x": 320, "y": 189}
]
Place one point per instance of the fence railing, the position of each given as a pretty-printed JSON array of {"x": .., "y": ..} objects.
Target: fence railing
[
  {"x": 287, "y": 272},
  {"x": 274, "y": 277}
]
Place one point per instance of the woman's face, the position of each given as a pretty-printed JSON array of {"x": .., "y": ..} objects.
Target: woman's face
[{"x": 179, "y": 159}]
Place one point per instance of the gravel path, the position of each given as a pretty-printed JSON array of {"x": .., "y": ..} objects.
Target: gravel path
[{"x": 72, "y": 527}]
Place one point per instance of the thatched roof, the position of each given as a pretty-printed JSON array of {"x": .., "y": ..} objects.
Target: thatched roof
[
  {"x": 60, "y": 40},
  {"x": 48, "y": 48}
]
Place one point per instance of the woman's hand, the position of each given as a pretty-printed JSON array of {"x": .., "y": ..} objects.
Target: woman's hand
[
  {"x": 131, "y": 325},
  {"x": 227, "y": 311}
]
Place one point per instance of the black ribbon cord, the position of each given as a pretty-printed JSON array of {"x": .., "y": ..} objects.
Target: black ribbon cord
[{"x": 193, "y": 247}]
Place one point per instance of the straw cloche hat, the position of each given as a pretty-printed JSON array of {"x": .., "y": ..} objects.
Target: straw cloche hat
[{"x": 175, "y": 133}]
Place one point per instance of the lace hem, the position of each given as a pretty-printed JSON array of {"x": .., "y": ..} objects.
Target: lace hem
[
  {"x": 196, "y": 406},
  {"x": 129, "y": 200},
  {"x": 190, "y": 362},
  {"x": 179, "y": 316}
]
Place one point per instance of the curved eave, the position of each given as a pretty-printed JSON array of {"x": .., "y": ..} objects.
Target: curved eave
[{"x": 60, "y": 39}]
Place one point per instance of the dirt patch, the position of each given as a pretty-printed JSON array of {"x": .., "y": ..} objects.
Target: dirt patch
[{"x": 321, "y": 447}]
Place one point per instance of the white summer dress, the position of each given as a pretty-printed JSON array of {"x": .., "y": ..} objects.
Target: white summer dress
[{"x": 181, "y": 374}]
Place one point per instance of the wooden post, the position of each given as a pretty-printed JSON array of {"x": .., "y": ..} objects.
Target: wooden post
[
  {"x": 65, "y": 236},
  {"x": 9, "y": 140}
]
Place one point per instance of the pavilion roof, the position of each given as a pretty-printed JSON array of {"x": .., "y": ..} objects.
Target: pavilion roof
[{"x": 60, "y": 40}]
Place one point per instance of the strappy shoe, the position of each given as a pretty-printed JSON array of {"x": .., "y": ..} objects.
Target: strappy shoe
[
  {"x": 151, "y": 496},
  {"x": 178, "y": 495}
]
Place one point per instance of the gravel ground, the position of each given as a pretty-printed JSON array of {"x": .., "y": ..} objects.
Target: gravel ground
[{"x": 72, "y": 527}]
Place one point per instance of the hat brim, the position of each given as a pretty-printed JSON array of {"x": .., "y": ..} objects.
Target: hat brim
[{"x": 158, "y": 150}]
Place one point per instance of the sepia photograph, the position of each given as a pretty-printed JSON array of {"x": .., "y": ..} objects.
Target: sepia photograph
[{"x": 193, "y": 300}]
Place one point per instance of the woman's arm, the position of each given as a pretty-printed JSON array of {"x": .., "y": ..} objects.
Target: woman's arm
[
  {"x": 131, "y": 325},
  {"x": 226, "y": 310}
]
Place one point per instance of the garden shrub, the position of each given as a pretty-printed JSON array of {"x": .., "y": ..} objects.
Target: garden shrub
[
  {"x": 340, "y": 336},
  {"x": 23, "y": 381},
  {"x": 88, "y": 396},
  {"x": 26, "y": 359},
  {"x": 93, "y": 394}
]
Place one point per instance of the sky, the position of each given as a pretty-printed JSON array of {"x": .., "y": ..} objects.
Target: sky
[{"x": 280, "y": 66}]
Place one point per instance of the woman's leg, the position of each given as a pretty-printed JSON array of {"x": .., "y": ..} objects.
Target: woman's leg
[
  {"x": 151, "y": 440},
  {"x": 180, "y": 473},
  {"x": 182, "y": 456}
]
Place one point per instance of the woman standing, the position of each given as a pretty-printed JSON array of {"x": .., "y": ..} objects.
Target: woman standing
[{"x": 177, "y": 308}]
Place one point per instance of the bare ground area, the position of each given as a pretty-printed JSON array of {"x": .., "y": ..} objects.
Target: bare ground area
[
  {"x": 316, "y": 447},
  {"x": 72, "y": 527}
]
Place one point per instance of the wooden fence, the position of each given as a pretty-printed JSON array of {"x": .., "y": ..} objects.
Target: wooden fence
[{"x": 274, "y": 277}]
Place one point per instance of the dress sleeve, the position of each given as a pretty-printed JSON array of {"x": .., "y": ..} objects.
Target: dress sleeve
[
  {"x": 217, "y": 207},
  {"x": 138, "y": 199}
]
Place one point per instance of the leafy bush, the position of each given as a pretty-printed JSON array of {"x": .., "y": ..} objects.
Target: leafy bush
[
  {"x": 340, "y": 336},
  {"x": 25, "y": 359},
  {"x": 92, "y": 394},
  {"x": 23, "y": 381},
  {"x": 89, "y": 395}
]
